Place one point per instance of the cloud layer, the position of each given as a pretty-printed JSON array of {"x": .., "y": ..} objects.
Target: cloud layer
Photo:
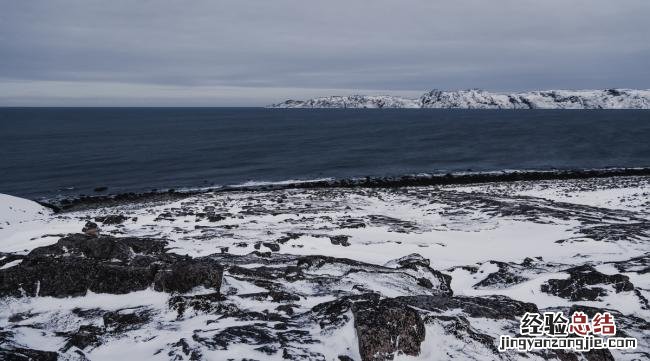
[{"x": 253, "y": 52}]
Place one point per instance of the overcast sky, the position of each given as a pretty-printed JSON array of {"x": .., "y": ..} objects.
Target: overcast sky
[{"x": 254, "y": 52}]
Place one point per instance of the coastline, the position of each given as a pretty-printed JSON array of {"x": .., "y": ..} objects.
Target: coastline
[
  {"x": 454, "y": 178},
  {"x": 327, "y": 272}
]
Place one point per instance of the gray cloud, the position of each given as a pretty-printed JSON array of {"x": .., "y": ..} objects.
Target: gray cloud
[{"x": 252, "y": 52}]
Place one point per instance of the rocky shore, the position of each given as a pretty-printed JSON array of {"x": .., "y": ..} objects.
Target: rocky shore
[
  {"x": 414, "y": 269},
  {"x": 458, "y": 178}
]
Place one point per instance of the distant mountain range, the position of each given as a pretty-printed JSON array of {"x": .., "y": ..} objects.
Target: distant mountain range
[{"x": 480, "y": 99}]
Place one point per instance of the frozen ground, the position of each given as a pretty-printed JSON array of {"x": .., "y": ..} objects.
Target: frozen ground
[{"x": 322, "y": 274}]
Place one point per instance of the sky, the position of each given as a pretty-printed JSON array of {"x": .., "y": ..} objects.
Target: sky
[{"x": 257, "y": 52}]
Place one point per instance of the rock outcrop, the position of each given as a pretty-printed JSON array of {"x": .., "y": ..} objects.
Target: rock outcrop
[
  {"x": 586, "y": 284},
  {"x": 80, "y": 263},
  {"x": 387, "y": 328}
]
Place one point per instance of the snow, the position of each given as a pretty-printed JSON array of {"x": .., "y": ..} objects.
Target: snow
[
  {"x": 456, "y": 228},
  {"x": 25, "y": 225},
  {"x": 354, "y": 101},
  {"x": 19, "y": 210},
  {"x": 11, "y": 264},
  {"x": 480, "y": 99}
]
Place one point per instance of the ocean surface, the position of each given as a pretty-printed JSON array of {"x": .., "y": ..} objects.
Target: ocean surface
[{"x": 62, "y": 152}]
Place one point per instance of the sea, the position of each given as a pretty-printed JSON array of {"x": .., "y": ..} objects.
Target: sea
[{"x": 48, "y": 153}]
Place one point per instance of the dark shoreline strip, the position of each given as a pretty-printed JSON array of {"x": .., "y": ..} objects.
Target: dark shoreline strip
[{"x": 90, "y": 202}]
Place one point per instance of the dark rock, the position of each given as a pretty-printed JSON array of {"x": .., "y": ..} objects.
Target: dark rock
[
  {"x": 527, "y": 262},
  {"x": 126, "y": 319},
  {"x": 274, "y": 296},
  {"x": 288, "y": 237},
  {"x": 505, "y": 276},
  {"x": 87, "y": 335},
  {"x": 90, "y": 229},
  {"x": 9, "y": 257},
  {"x": 186, "y": 350},
  {"x": 100, "y": 189},
  {"x": 425, "y": 282},
  {"x": 394, "y": 224},
  {"x": 352, "y": 223},
  {"x": 183, "y": 275},
  {"x": 111, "y": 219},
  {"x": 333, "y": 314},
  {"x": 301, "y": 354},
  {"x": 296, "y": 337},
  {"x": 272, "y": 246},
  {"x": 582, "y": 284},
  {"x": 87, "y": 313},
  {"x": 387, "y": 328},
  {"x": 215, "y": 217},
  {"x": 103, "y": 248},
  {"x": 22, "y": 316},
  {"x": 255, "y": 334},
  {"x": 419, "y": 264},
  {"x": 640, "y": 265},
  {"x": 206, "y": 303},
  {"x": 411, "y": 261},
  {"x": 287, "y": 308},
  {"x": 25, "y": 354},
  {"x": 72, "y": 276},
  {"x": 345, "y": 358},
  {"x": 79, "y": 263},
  {"x": 340, "y": 240},
  {"x": 391, "y": 326}
]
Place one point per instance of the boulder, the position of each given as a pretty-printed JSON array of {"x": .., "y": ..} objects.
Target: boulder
[
  {"x": 340, "y": 240},
  {"x": 183, "y": 275},
  {"x": 387, "y": 328},
  {"x": 90, "y": 229}
]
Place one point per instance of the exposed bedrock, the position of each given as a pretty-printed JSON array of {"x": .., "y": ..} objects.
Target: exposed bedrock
[
  {"x": 585, "y": 283},
  {"x": 392, "y": 326},
  {"x": 386, "y": 328},
  {"x": 79, "y": 263}
]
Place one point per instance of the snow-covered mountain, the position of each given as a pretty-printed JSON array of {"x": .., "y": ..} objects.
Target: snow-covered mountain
[
  {"x": 480, "y": 99},
  {"x": 352, "y": 101}
]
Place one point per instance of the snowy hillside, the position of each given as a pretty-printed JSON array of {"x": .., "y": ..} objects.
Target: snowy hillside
[
  {"x": 480, "y": 99},
  {"x": 352, "y": 101}
]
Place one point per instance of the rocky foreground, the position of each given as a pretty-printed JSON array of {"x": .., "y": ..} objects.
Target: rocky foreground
[
  {"x": 399, "y": 273},
  {"x": 481, "y": 99}
]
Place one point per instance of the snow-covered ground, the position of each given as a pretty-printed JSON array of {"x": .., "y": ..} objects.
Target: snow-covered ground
[{"x": 287, "y": 254}]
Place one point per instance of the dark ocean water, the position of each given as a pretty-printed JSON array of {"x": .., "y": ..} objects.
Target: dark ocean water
[{"x": 49, "y": 152}]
